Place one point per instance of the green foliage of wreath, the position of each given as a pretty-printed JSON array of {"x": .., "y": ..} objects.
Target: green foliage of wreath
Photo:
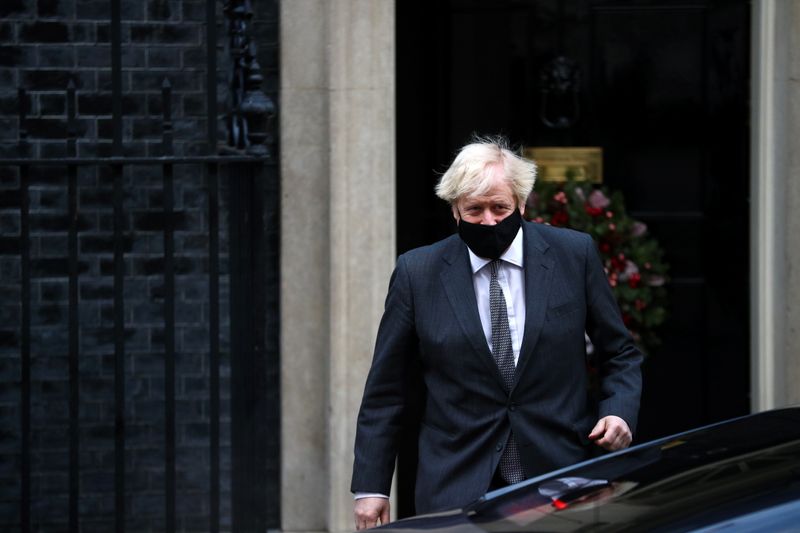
[{"x": 633, "y": 260}]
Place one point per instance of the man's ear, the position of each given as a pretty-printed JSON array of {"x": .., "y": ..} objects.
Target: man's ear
[
  {"x": 522, "y": 208},
  {"x": 456, "y": 214}
]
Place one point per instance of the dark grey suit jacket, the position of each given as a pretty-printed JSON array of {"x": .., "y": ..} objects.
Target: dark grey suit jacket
[{"x": 431, "y": 330}]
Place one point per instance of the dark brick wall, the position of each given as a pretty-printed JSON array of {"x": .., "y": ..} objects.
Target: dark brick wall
[{"x": 43, "y": 44}]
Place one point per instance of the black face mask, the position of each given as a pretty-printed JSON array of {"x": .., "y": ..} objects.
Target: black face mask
[{"x": 490, "y": 241}]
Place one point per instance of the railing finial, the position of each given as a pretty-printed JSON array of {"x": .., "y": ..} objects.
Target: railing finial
[{"x": 252, "y": 112}]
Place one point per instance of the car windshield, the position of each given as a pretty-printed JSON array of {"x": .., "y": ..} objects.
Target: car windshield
[{"x": 704, "y": 477}]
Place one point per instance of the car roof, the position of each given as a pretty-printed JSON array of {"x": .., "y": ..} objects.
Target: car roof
[
  {"x": 742, "y": 473},
  {"x": 683, "y": 482}
]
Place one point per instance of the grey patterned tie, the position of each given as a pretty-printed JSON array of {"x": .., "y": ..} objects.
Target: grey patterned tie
[{"x": 503, "y": 352}]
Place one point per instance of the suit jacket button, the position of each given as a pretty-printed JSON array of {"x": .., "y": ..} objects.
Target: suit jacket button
[
  {"x": 499, "y": 448},
  {"x": 513, "y": 407}
]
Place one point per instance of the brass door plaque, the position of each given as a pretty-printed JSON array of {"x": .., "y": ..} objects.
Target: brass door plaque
[{"x": 557, "y": 164}]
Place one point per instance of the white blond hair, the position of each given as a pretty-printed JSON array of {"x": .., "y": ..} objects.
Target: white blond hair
[{"x": 471, "y": 175}]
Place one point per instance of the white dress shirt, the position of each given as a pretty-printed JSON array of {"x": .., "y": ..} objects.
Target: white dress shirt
[{"x": 511, "y": 276}]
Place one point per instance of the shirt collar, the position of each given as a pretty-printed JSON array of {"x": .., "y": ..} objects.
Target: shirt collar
[{"x": 512, "y": 255}]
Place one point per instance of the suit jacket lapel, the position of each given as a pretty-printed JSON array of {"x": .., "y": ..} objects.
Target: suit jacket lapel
[
  {"x": 458, "y": 285},
  {"x": 538, "y": 272}
]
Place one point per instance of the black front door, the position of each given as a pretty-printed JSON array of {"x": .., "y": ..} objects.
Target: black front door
[{"x": 664, "y": 92}]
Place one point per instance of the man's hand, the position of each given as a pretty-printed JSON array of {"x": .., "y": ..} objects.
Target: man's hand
[
  {"x": 612, "y": 433},
  {"x": 368, "y": 511}
]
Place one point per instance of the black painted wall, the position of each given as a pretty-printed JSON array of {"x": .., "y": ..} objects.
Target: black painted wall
[{"x": 44, "y": 44}]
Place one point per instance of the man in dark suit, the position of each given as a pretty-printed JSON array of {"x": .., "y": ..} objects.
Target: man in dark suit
[{"x": 492, "y": 322}]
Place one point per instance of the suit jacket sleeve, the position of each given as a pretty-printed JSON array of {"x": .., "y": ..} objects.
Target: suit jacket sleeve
[
  {"x": 618, "y": 357},
  {"x": 382, "y": 413}
]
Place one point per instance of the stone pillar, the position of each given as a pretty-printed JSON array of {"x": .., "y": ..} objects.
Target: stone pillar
[
  {"x": 338, "y": 240},
  {"x": 792, "y": 209},
  {"x": 305, "y": 265},
  {"x": 775, "y": 204}
]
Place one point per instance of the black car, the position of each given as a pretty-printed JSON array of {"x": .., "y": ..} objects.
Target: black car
[{"x": 738, "y": 475}]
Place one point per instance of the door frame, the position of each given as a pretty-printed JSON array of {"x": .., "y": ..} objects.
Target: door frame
[{"x": 768, "y": 215}]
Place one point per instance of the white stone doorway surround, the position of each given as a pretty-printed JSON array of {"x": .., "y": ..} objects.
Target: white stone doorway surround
[
  {"x": 338, "y": 240},
  {"x": 338, "y": 230},
  {"x": 775, "y": 204}
]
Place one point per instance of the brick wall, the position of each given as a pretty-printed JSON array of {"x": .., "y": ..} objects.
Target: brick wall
[{"x": 44, "y": 44}]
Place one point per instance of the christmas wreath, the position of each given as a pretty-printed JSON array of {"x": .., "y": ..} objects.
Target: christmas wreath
[{"x": 633, "y": 260}]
